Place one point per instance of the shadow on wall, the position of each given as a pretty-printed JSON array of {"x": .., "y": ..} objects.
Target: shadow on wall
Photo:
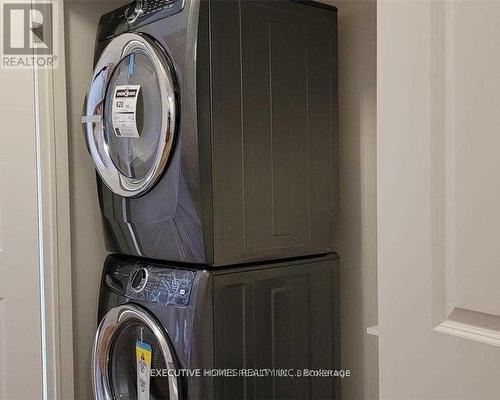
[{"x": 355, "y": 232}]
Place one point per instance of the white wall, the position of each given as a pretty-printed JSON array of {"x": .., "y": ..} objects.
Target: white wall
[
  {"x": 355, "y": 234},
  {"x": 87, "y": 238}
]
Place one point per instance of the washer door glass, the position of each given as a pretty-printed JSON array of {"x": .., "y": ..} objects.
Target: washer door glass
[
  {"x": 134, "y": 157},
  {"x": 132, "y": 358},
  {"x": 123, "y": 364},
  {"x": 130, "y": 114}
]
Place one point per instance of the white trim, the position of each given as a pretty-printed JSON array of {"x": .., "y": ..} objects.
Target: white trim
[
  {"x": 54, "y": 222},
  {"x": 373, "y": 330},
  {"x": 41, "y": 256},
  {"x": 471, "y": 332},
  {"x": 438, "y": 145}
]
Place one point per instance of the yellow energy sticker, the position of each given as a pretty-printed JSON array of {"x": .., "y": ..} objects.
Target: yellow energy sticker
[{"x": 143, "y": 358}]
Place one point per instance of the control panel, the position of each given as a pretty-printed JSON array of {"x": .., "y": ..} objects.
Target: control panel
[
  {"x": 136, "y": 14},
  {"x": 163, "y": 286},
  {"x": 154, "y": 6},
  {"x": 141, "y": 12},
  {"x": 147, "y": 282}
]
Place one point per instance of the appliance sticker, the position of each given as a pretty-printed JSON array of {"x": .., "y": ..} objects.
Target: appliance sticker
[
  {"x": 124, "y": 109},
  {"x": 143, "y": 358}
]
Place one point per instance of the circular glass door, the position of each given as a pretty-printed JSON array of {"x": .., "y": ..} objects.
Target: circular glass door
[
  {"x": 132, "y": 357},
  {"x": 130, "y": 114}
]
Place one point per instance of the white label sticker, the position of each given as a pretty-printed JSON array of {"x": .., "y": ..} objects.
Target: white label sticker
[
  {"x": 124, "y": 110},
  {"x": 143, "y": 356}
]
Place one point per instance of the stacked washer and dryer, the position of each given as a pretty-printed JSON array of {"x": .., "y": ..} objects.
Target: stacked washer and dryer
[{"x": 213, "y": 126}]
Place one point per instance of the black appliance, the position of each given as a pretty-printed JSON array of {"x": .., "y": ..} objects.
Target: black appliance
[
  {"x": 213, "y": 126},
  {"x": 281, "y": 316}
]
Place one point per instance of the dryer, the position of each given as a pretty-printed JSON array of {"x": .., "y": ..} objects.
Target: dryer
[
  {"x": 217, "y": 334},
  {"x": 213, "y": 129}
]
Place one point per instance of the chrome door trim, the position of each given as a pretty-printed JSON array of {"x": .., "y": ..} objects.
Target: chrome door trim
[
  {"x": 111, "y": 324},
  {"x": 93, "y": 109}
]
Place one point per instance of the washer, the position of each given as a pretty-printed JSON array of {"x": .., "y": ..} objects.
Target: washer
[
  {"x": 213, "y": 128},
  {"x": 196, "y": 323}
]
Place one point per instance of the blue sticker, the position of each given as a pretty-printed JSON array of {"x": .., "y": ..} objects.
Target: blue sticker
[
  {"x": 142, "y": 345},
  {"x": 131, "y": 64}
]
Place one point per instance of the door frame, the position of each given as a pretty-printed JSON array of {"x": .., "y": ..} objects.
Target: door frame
[{"x": 54, "y": 221}]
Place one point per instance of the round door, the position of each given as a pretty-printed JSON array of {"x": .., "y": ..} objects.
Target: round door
[
  {"x": 132, "y": 356},
  {"x": 130, "y": 114}
]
